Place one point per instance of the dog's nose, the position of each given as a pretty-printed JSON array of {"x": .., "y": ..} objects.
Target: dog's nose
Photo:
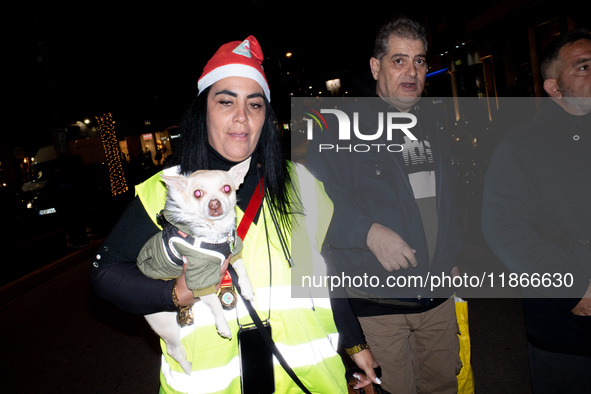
[{"x": 214, "y": 205}]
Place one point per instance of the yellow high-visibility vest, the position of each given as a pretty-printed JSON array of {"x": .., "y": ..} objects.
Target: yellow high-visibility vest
[{"x": 302, "y": 327}]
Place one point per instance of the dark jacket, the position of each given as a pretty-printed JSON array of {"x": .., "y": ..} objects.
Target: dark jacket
[
  {"x": 369, "y": 188},
  {"x": 537, "y": 216}
]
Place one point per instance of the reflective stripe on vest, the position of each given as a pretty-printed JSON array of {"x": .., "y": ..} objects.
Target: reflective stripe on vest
[{"x": 302, "y": 328}]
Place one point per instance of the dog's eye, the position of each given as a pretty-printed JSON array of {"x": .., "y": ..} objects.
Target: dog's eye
[
  {"x": 198, "y": 193},
  {"x": 227, "y": 189}
]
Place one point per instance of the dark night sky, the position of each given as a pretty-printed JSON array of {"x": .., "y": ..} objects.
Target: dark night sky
[
  {"x": 104, "y": 55},
  {"x": 143, "y": 59},
  {"x": 146, "y": 48}
]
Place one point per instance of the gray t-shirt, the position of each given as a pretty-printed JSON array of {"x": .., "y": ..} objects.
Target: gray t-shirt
[{"x": 420, "y": 168}]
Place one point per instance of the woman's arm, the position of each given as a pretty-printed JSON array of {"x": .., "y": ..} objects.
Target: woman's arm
[{"x": 114, "y": 274}]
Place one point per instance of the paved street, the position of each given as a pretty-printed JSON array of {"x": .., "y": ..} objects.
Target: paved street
[{"x": 61, "y": 339}]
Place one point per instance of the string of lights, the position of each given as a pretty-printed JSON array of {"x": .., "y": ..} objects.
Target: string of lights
[{"x": 113, "y": 154}]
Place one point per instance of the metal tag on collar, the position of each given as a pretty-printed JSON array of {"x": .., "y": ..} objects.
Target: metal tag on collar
[
  {"x": 227, "y": 295},
  {"x": 232, "y": 239}
]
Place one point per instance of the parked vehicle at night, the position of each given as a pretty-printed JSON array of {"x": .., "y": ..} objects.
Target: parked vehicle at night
[{"x": 34, "y": 196}]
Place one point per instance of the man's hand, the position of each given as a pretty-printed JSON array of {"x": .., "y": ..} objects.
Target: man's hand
[
  {"x": 389, "y": 248},
  {"x": 365, "y": 360},
  {"x": 583, "y": 308}
]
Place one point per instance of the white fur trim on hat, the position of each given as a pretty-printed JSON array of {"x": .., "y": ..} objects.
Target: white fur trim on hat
[{"x": 234, "y": 70}]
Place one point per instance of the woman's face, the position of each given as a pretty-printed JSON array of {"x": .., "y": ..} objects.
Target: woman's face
[{"x": 235, "y": 117}]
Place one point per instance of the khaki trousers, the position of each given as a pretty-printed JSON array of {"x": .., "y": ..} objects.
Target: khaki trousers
[{"x": 419, "y": 352}]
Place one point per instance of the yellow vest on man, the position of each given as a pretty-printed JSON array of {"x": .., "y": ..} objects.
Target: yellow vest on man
[{"x": 302, "y": 328}]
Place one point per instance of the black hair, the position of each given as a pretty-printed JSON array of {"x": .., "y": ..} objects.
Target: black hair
[
  {"x": 551, "y": 52},
  {"x": 192, "y": 154},
  {"x": 400, "y": 27}
]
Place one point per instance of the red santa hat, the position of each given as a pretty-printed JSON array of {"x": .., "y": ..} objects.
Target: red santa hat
[{"x": 236, "y": 59}]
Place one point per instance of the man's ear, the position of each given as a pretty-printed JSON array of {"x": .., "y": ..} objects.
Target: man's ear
[
  {"x": 551, "y": 87},
  {"x": 374, "y": 65}
]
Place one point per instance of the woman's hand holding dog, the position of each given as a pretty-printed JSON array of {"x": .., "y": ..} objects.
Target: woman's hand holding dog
[
  {"x": 389, "y": 248},
  {"x": 184, "y": 294}
]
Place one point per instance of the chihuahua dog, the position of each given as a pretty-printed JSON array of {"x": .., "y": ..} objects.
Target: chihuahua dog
[{"x": 199, "y": 229}]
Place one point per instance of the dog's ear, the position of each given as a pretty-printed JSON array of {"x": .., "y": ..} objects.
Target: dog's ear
[
  {"x": 177, "y": 182},
  {"x": 238, "y": 172}
]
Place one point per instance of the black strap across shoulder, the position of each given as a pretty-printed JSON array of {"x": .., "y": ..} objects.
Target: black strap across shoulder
[{"x": 265, "y": 334}]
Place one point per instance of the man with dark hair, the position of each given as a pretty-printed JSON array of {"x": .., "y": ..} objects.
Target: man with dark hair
[
  {"x": 395, "y": 216},
  {"x": 537, "y": 218}
]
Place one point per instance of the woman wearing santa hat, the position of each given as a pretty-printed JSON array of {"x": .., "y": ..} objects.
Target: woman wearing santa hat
[{"x": 230, "y": 121}]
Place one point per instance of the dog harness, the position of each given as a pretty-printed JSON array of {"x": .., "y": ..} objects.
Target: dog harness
[
  {"x": 162, "y": 256},
  {"x": 172, "y": 235}
]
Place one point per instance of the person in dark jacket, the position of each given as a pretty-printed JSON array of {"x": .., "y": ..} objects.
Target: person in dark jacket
[
  {"x": 394, "y": 216},
  {"x": 537, "y": 220}
]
